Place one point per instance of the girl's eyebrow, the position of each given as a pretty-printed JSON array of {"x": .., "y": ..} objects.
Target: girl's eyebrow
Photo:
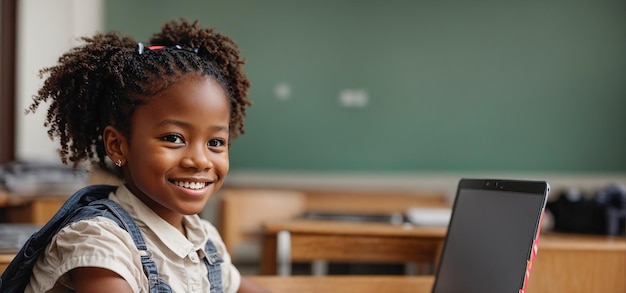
[
  {"x": 183, "y": 124},
  {"x": 175, "y": 123}
]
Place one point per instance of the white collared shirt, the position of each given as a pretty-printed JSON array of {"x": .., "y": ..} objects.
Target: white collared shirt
[{"x": 99, "y": 242}]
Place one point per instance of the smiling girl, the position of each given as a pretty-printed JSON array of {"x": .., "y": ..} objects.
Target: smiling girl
[{"x": 161, "y": 116}]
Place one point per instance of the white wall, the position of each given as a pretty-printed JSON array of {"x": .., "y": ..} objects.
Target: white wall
[{"x": 46, "y": 30}]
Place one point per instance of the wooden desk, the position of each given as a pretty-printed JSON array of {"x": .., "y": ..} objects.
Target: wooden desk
[
  {"x": 5, "y": 259},
  {"x": 344, "y": 241},
  {"x": 242, "y": 211},
  {"x": 345, "y": 284},
  {"x": 564, "y": 263},
  {"x": 579, "y": 264},
  {"x": 29, "y": 209}
]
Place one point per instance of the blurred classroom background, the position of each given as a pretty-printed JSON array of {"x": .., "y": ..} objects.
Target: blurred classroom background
[
  {"x": 385, "y": 95},
  {"x": 402, "y": 94}
]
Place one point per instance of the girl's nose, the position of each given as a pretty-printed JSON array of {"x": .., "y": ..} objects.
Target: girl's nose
[{"x": 197, "y": 158}]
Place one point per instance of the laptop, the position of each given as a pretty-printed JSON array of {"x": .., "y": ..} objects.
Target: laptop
[{"x": 492, "y": 236}]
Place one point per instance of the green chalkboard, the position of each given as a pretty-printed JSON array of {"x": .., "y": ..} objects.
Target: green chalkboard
[{"x": 450, "y": 85}]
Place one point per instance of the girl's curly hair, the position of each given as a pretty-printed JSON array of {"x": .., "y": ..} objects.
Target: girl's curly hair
[{"x": 103, "y": 81}]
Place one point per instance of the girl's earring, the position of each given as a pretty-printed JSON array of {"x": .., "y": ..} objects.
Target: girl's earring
[{"x": 118, "y": 163}]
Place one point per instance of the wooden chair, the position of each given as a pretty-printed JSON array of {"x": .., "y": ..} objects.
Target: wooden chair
[
  {"x": 243, "y": 211},
  {"x": 371, "y": 201}
]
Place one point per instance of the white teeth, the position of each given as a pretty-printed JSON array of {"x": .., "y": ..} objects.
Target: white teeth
[{"x": 190, "y": 185}]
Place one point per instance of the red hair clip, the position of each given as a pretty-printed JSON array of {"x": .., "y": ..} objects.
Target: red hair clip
[
  {"x": 156, "y": 47},
  {"x": 141, "y": 48}
]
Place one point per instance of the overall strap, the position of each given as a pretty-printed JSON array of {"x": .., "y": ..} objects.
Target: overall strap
[
  {"x": 157, "y": 285},
  {"x": 213, "y": 261}
]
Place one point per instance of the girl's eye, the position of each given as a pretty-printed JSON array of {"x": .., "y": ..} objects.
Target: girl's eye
[
  {"x": 173, "y": 138},
  {"x": 216, "y": 143}
]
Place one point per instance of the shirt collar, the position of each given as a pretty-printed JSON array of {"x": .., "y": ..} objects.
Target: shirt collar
[{"x": 148, "y": 220}]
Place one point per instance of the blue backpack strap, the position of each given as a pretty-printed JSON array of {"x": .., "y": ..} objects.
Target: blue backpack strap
[
  {"x": 17, "y": 274},
  {"x": 87, "y": 203},
  {"x": 213, "y": 261}
]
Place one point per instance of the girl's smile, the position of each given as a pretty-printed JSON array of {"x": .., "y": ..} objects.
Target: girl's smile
[
  {"x": 190, "y": 185},
  {"x": 193, "y": 188}
]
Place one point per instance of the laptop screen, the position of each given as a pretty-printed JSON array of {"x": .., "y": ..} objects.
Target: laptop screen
[{"x": 490, "y": 235}]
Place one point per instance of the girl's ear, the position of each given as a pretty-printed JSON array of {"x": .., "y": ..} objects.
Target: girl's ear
[{"x": 115, "y": 144}]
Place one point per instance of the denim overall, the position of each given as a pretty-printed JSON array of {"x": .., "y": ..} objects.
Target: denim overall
[{"x": 87, "y": 203}]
